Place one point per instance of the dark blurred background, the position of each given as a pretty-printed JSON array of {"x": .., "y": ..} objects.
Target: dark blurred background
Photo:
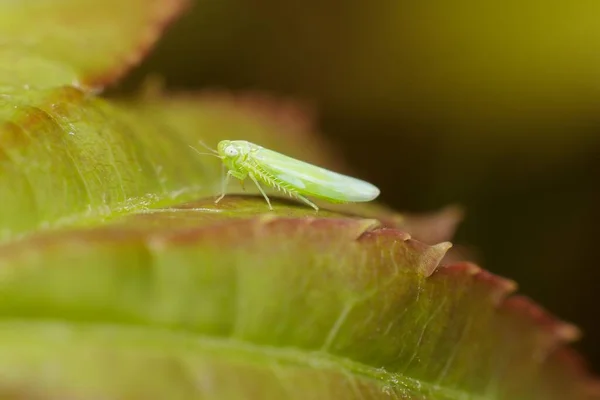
[{"x": 491, "y": 105}]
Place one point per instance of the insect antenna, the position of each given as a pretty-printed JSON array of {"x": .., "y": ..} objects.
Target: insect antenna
[
  {"x": 208, "y": 147},
  {"x": 205, "y": 154}
]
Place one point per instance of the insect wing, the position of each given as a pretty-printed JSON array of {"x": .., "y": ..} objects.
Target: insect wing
[{"x": 314, "y": 181}]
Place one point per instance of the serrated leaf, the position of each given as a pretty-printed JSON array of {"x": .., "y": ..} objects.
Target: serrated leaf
[
  {"x": 121, "y": 298},
  {"x": 285, "y": 307},
  {"x": 282, "y": 298}
]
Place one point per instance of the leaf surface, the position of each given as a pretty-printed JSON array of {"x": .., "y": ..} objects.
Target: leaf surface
[
  {"x": 120, "y": 277},
  {"x": 108, "y": 159},
  {"x": 45, "y": 44},
  {"x": 200, "y": 296},
  {"x": 196, "y": 294}
]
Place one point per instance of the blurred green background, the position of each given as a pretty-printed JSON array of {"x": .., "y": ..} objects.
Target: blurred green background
[{"x": 494, "y": 106}]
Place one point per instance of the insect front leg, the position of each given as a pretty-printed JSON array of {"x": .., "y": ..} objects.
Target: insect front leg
[
  {"x": 262, "y": 191},
  {"x": 236, "y": 174},
  {"x": 224, "y": 183}
]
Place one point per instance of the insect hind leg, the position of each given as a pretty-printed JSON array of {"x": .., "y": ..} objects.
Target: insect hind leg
[
  {"x": 307, "y": 201},
  {"x": 261, "y": 191}
]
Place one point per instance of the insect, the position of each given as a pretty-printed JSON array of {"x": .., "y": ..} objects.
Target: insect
[{"x": 295, "y": 178}]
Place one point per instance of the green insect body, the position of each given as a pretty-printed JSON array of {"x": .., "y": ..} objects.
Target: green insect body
[{"x": 288, "y": 175}]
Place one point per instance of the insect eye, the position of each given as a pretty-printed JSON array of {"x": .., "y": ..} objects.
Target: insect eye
[{"x": 230, "y": 151}]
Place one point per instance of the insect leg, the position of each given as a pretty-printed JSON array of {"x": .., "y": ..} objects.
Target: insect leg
[
  {"x": 262, "y": 191},
  {"x": 307, "y": 201},
  {"x": 236, "y": 174},
  {"x": 224, "y": 184}
]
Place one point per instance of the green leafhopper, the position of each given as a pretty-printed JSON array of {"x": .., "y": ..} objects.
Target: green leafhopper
[{"x": 293, "y": 177}]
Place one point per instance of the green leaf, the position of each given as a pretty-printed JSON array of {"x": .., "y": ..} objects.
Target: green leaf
[
  {"x": 198, "y": 295},
  {"x": 81, "y": 42},
  {"x": 202, "y": 302},
  {"x": 120, "y": 277},
  {"x": 112, "y": 159}
]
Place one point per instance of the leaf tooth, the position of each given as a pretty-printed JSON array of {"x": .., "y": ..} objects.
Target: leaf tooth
[
  {"x": 432, "y": 257},
  {"x": 562, "y": 331}
]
